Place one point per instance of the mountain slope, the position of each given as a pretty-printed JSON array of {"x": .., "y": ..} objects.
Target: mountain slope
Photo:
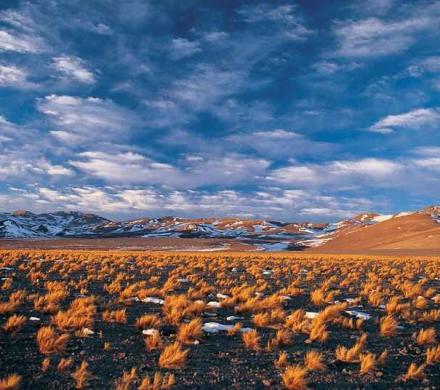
[
  {"x": 405, "y": 231},
  {"x": 367, "y": 231}
]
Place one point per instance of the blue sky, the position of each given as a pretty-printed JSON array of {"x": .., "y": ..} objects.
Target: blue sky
[{"x": 307, "y": 110}]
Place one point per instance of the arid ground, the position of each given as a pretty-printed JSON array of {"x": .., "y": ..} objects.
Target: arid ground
[{"x": 159, "y": 320}]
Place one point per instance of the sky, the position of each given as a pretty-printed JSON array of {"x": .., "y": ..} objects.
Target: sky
[{"x": 307, "y": 110}]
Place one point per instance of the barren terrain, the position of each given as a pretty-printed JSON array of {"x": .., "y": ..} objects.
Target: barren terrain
[{"x": 162, "y": 320}]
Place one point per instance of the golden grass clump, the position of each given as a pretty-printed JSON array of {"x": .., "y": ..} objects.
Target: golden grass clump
[
  {"x": 191, "y": 332},
  {"x": 11, "y": 382},
  {"x": 294, "y": 377},
  {"x": 127, "y": 380},
  {"x": 388, "y": 326},
  {"x": 281, "y": 362},
  {"x": 82, "y": 375},
  {"x": 251, "y": 340},
  {"x": 115, "y": 316},
  {"x": 45, "y": 364},
  {"x": 14, "y": 323},
  {"x": 318, "y": 332},
  {"x": 426, "y": 336},
  {"x": 351, "y": 355},
  {"x": 235, "y": 329},
  {"x": 173, "y": 357},
  {"x": 49, "y": 342},
  {"x": 415, "y": 372},
  {"x": 433, "y": 355},
  {"x": 148, "y": 321},
  {"x": 153, "y": 341},
  {"x": 64, "y": 364},
  {"x": 159, "y": 382},
  {"x": 370, "y": 361},
  {"x": 313, "y": 361}
]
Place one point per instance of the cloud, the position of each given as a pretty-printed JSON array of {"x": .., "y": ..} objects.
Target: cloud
[
  {"x": 182, "y": 48},
  {"x": 14, "y": 77},
  {"x": 412, "y": 120},
  {"x": 285, "y": 205},
  {"x": 373, "y": 37},
  {"x": 19, "y": 43},
  {"x": 84, "y": 120},
  {"x": 23, "y": 37},
  {"x": 340, "y": 173},
  {"x": 133, "y": 168},
  {"x": 279, "y": 143},
  {"x": 284, "y": 17},
  {"x": 73, "y": 68}
]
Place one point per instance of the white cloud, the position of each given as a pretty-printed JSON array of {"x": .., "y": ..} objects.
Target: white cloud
[
  {"x": 282, "y": 204},
  {"x": 340, "y": 173},
  {"x": 83, "y": 120},
  {"x": 132, "y": 168},
  {"x": 12, "y": 76},
  {"x": 375, "y": 37},
  {"x": 73, "y": 68},
  {"x": 182, "y": 48},
  {"x": 23, "y": 37},
  {"x": 283, "y": 17},
  {"x": 413, "y": 120},
  {"x": 20, "y": 43},
  {"x": 279, "y": 143}
]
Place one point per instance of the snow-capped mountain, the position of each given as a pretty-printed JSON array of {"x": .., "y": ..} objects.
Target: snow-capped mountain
[
  {"x": 62, "y": 223},
  {"x": 268, "y": 235}
]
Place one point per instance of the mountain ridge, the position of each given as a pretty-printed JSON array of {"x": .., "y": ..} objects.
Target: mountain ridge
[{"x": 265, "y": 234}]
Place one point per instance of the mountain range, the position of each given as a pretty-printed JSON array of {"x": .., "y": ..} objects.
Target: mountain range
[{"x": 366, "y": 230}]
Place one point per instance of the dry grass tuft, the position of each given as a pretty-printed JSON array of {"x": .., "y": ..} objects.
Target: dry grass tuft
[
  {"x": 294, "y": 377},
  {"x": 116, "y": 316},
  {"x": 64, "y": 364},
  {"x": 148, "y": 321},
  {"x": 14, "y": 323},
  {"x": 281, "y": 362},
  {"x": 351, "y": 355},
  {"x": 313, "y": 361},
  {"x": 82, "y": 375},
  {"x": 388, "y": 326},
  {"x": 49, "y": 342},
  {"x": 426, "y": 336},
  {"x": 433, "y": 355},
  {"x": 159, "y": 382},
  {"x": 415, "y": 372},
  {"x": 127, "y": 380},
  {"x": 173, "y": 357},
  {"x": 11, "y": 382},
  {"x": 251, "y": 340},
  {"x": 153, "y": 341},
  {"x": 318, "y": 332},
  {"x": 191, "y": 332},
  {"x": 45, "y": 364},
  {"x": 370, "y": 361}
]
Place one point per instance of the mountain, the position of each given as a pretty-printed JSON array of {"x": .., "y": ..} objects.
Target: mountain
[
  {"x": 404, "y": 232},
  {"x": 364, "y": 231}
]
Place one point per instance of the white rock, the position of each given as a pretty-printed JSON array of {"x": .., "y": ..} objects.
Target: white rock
[
  {"x": 214, "y": 304},
  {"x": 183, "y": 280},
  {"x": 233, "y": 318},
  {"x": 87, "y": 331},
  {"x": 215, "y": 327},
  {"x": 155, "y": 300},
  {"x": 358, "y": 314},
  {"x": 311, "y": 314},
  {"x": 222, "y": 296},
  {"x": 34, "y": 319},
  {"x": 149, "y": 332}
]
